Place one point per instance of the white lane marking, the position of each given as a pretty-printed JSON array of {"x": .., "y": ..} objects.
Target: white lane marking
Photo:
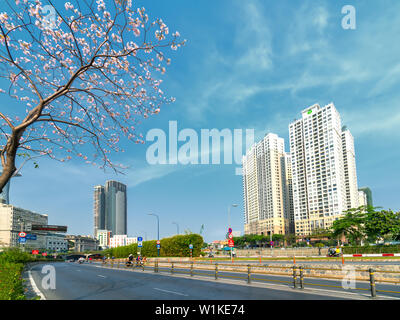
[
  {"x": 99, "y": 275},
  {"x": 178, "y": 293},
  {"x": 34, "y": 287}
]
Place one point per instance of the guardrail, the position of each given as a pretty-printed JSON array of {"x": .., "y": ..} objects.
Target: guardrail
[{"x": 297, "y": 274}]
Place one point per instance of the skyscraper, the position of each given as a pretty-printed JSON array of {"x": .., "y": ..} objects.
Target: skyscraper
[
  {"x": 99, "y": 209},
  {"x": 5, "y": 194},
  {"x": 368, "y": 195},
  {"x": 349, "y": 166},
  {"x": 287, "y": 186},
  {"x": 264, "y": 187},
  {"x": 323, "y": 169},
  {"x": 110, "y": 208}
]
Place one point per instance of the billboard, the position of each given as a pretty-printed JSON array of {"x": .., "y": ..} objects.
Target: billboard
[{"x": 45, "y": 227}]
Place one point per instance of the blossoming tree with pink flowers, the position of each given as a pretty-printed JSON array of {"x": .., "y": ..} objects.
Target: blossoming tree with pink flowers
[{"x": 83, "y": 73}]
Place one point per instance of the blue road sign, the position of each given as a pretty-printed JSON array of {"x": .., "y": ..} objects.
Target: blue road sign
[
  {"x": 139, "y": 239},
  {"x": 158, "y": 246},
  {"x": 31, "y": 237},
  {"x": 140, "y": 244},
  {"x": 190, "y": 246},
  {"x": 22, "y": 240},
  {"x": 230, "y": 230}
]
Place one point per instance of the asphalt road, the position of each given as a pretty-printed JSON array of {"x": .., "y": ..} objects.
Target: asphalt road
[{"x": 92, "y": 282}]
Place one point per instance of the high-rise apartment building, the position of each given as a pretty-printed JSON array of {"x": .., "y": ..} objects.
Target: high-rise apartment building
[
  {"x": 368, "y": 195},
  {"x": 287, "y": 186},
  {"x": 349, "y": 166},
  {"x": 264, "y": 187},
  {"x": 362, "y": 198},
  {"x": 110, "y": 208},
  {"x": 319, "y": 183}
]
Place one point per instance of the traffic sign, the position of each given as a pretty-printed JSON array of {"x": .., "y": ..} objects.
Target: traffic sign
[
  {"x": 190, "y": 246},
  {"x": 158, "y": 246},
  {"x": 139, "y": 239},
  {"x": 44, "y": 254},
  {"x": 230, "y": 236},
  {"x": 22, "y": 240},
  {"x": 231, "y": 243},
  {"x": 31, "y": 237},
  {"x": 158, "y": 242},
  {"x": 22, "y": 234},
  {"x": 140, "y": 244},
  {"x": 230, "y": 230},
  {"x": 35, "y": 251}
]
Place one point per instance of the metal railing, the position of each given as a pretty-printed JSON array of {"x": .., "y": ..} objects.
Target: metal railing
[{"x": 296, "y": 274}]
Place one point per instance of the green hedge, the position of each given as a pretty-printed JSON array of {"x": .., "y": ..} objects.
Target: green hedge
[
  {"x": 11, "y": 283},
  {"x": 372, "y": 249},
  {"x": 11, "y": 266},
  {"x": 176, "y": 246},
  {"x": 12, "y": 262}
]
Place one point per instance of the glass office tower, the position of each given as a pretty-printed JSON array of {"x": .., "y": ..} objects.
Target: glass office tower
[{"x": 110, "y": 208}]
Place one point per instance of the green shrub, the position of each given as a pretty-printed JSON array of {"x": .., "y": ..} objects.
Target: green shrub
[
  {"x": 176, "y": 246},
  {"x": 11, "y": 283}
]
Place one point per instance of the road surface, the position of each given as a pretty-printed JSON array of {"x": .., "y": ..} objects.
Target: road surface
[{"x": 91, "y": 281}]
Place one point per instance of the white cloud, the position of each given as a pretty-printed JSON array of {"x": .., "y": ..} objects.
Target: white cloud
[{"x": 137, "y": 176}]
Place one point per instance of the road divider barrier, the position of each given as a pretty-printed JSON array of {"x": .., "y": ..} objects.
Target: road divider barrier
[{"x": 298, "y": 273}]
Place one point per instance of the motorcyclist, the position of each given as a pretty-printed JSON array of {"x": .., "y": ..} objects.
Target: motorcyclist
[{"x": 130, "y": 260}]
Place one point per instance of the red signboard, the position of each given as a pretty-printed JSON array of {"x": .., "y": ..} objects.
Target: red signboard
[
  {"x": 49, "y": 228},
  {"x": 158, "y": 241},
  {"x": 231, "y": 243},
  {"x": 22, "y": 234},
  {"x": 44, "y": 254},
  {"x": 35, "y": 251}
]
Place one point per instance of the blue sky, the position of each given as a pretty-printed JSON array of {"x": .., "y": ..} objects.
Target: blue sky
[{"x": 247, "y": 64}]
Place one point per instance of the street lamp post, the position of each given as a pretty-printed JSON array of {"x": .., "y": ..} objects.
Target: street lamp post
[
  {"x": 229, "y": 219},
  {"x": 177, "y": 226},
  {"x": 158, "y": 230}
]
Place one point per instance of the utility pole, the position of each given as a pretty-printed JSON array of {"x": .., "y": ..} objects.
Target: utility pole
[{"x": 158, "y": 230}]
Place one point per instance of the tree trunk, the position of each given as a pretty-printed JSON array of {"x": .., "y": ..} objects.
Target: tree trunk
[{"x": 11, "y": 152}]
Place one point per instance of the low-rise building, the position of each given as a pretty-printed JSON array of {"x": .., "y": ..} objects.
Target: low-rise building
[
  {"x": 120, "y": 240},
  {"x": 56, "y": 242},
  {"x": 104, "y": 237},
  {"x": 14, "y": 220},
  {"x": 83, "y": 243}
]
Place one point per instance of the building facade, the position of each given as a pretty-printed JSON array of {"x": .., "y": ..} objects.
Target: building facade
[
  {"x": 83, "y": 243},
  {"x": 104, "y": 236},
  {"x": 368, "y": 195},
  {"x": 323, "y": 169},
  {"x": 265, "y": 187},
  {"x": 121, "y": 240},
  {"x": 110, "y": 208},
  {"x": 349, "y": 166},
  {"x": 56, "y": 242},
  {"x": 14, "y": 220},
  {"x": 99, "y": 210},
  {"x": 362, "y": 198}
]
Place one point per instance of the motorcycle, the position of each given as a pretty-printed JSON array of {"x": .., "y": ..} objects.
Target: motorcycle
[
  {"x": 333, "y": 254},
  {"x": 128, "y": 264}
]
